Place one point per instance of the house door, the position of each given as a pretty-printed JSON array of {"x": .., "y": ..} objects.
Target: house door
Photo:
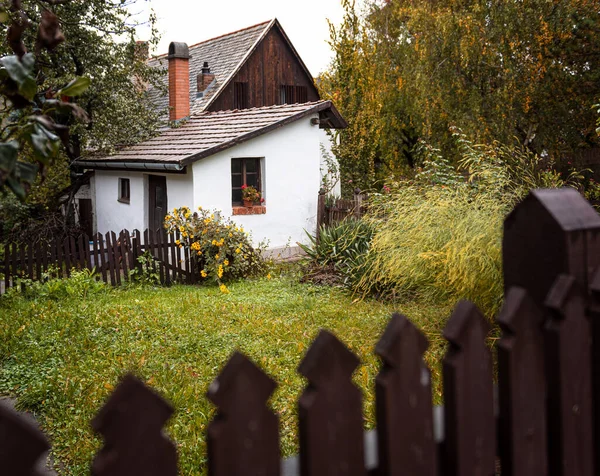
[
  {"x": 157, "y": 201},
  {"x": 86, "y": 216}
]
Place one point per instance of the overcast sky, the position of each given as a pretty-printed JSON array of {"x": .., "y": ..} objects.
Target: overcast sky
[{"x": 192, "y": 21}]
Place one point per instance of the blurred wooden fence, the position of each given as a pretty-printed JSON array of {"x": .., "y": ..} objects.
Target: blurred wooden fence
[
  {"x": 333, "y": 210},
  {"x": 542, "y": 419},
  {"x": 112, "y": 255}
]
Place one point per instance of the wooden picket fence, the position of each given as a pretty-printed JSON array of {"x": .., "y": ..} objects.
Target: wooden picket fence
[
  {"x": 332, "y": 211},
  {"x": 111, "y": 255},
  {"x": 543, "y": 417}
]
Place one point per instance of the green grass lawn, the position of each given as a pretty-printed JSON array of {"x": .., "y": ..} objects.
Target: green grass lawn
[{"x": 62, "y": 358}]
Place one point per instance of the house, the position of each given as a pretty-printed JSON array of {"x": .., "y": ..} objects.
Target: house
[{"x": 243, "y": 109}]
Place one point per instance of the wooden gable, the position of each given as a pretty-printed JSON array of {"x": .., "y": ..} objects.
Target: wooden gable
[{"x": 272, "y": 65}]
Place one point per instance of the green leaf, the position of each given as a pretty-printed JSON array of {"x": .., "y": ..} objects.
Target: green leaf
[
  {"x": 26, "y": 172},
  {"x": 8, "y": 155},
  {"x": 76, "y": 87},
  {"x": 21, "y": 72}
]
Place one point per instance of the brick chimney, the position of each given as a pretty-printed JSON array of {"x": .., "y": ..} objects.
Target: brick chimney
[
  {"x": 179, "y": 81},
  {"x": 205, "y": 78}
]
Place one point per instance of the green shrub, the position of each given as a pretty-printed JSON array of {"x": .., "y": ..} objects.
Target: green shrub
[
  {"x": 223, "y": 251},
  {"x": 80, "y": 285},
  {"x": 343, "y": 247}
]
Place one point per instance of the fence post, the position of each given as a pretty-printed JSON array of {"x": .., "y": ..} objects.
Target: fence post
[
  {"x": 320, "y": 213},
  {"x": 131, "y": 423},
  {"x": 330, "y": 411},
  {"x": 357, "y": 203},
  {"x": 469, "y": 422},
  {"x": 405, "y": 437},
  {"x": 522, "y": 387},
  {"x": 243, "y": 437}
]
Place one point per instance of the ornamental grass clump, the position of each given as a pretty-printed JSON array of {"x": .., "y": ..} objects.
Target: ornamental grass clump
[
  {"x": 436, "y": 242},
  {"x": 221, "y": 250}
]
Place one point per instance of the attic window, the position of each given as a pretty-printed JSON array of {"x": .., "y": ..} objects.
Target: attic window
[
  {"x": 124, "y": 190},
  {"x": 240, "y": 95},
  {"x": 289, "y": 94}
]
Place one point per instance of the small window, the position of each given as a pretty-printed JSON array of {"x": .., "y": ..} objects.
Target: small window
[
  {"x": 289, "y": 94},
  {"x": 286, "y": 94},
  {"x": 124, "y": 190},
  {"x": 301, "y": 94},
  {"x": 244, "y": 172},
  {"x": 240, "y": 95}
]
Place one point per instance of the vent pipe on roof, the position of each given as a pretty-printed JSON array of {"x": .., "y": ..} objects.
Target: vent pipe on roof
[
  {"x": 179, "y": 81},
  {"x": 205, "y": 78}
]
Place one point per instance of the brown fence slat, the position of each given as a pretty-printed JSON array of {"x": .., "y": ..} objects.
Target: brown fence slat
[
  {"x": 73, "y": 251},
  {"x": 7, "y": 266},
  {"x": 130, "y": 251},
  {"x": 189, "y": 266},
  {"x": 30, "y": 263},
  {"x": 405, "y": 437},
  {"x": 138, "y": 248},
  {"x": 37, "y": 259},
  {"x": 103, "y": 258},
  {"x": 124, "y": 246},
  {"x": 243, "y": 438},
  {"x": 131, "y": 423},
  {"x": 180, "y": 263},
  {"x": 59, "y": 257},
  {"x": 522, "y": 387},
  {"x": 117, "y": 256},
  {"x": 21, "y": 444},
  {"x": 45, "y": 252},
  {"x": 53, "y": 259},
  {"x": 330, "y": 411},
  {"x": 81, "y": 253},
  {"x": 154, "y": 251},
  {"x": 163, "y": 255},
  {"x": 110, "y": 256},
  {"x": 469, "y": 422},
  {"x": 67, "y": 256},
  {"x": 177, "y": 275},
  {"x": 22, "y": 261},
  {"x": 569, "y": 374},
  {"x": 594, "y": 310}
]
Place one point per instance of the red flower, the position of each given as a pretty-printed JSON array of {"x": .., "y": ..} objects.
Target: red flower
[
  {"x": 262, "y": 200},
  {"x": 244, "y": 186}
]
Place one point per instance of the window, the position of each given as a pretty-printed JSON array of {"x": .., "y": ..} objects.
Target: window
[
  {"x": 287, "y": 94},
  {"x": 292, "y": 94},
  {"x": 244, "y": 172},
  {"x": 124, "y": 190},
  {"x": 240, "y": 95}
]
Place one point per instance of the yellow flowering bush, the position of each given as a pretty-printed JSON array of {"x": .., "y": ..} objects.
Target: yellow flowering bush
[{"x": 221, "y": 250}]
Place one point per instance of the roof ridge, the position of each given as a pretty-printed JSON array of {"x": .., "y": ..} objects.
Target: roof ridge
[
  {"x": 221, "y": 36},
  {"x": 273, "y": 106}
]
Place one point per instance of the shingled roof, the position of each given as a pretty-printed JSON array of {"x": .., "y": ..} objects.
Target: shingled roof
[
  {"x": 224, "y": 54},
  {"x": 207, "y": 133}
]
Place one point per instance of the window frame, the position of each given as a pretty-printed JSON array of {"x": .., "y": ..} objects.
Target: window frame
[
  {"x": 124, "y": 195},
  {"x": 244, "y": 173},
  {"x": 240, "y": 95}
]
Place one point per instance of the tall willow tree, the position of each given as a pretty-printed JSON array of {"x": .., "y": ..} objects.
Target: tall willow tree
[{"x": 505, "y": 70}]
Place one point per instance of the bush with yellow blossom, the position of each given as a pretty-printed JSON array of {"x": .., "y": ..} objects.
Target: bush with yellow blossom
[{"x": 221, "y": 250}]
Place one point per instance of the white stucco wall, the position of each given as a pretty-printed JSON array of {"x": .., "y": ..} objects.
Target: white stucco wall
[
  {"x": 291, "y": 178},
  {"x": 112, "y": 215}
]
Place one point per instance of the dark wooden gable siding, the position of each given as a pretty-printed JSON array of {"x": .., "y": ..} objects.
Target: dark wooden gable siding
[{"x": 270, "y": 66}]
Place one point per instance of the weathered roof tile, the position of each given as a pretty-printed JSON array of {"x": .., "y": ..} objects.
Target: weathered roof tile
[{"x": 210, "y": 132}]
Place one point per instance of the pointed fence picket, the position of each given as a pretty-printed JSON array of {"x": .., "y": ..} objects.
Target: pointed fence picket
[{"x": 543, "y": 419}]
